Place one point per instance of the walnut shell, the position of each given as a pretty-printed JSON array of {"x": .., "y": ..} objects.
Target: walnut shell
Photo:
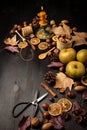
[{"x": 35, "y": 121}]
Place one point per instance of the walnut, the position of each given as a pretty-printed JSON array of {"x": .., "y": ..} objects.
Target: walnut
[{"x": 35, "y": 121}]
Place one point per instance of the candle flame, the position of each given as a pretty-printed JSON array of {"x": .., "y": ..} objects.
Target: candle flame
[{"x": 41, "y": 7}]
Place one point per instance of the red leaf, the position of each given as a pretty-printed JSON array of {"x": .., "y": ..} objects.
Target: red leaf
[
  {"x": 24, "y": 123},
  {"x": 12, "y": 49}
]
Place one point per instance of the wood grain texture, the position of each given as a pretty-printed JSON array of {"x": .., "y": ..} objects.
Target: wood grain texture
[{"x": 29, "y": 75}]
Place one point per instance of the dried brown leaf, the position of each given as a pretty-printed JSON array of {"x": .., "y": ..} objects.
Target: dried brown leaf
[
  {"x": 24, "y": 123},
  {"x": 81, "y": 34},
  {"x": 67, "y": 29},
  {"x": 11, "y": 41},
  {"x": 79, "y": 38},
  {"x": 58, "y": 30},
  {"x": 63, "y": 82}
]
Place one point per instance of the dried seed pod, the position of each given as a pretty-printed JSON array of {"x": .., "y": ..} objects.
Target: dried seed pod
[{"x": 50, "y": 77}]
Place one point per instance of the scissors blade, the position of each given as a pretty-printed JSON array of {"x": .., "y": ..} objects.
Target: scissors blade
[
  {"x": 42, "y": 97},
  {"x": 36, "y": 106},
  {"x": 36, "y": 95}
]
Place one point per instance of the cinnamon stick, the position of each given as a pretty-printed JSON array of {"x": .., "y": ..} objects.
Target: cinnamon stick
[{"x": 48, "y": 89}]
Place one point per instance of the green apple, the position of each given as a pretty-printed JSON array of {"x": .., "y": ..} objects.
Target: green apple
[
  {"x": 82, "y": 56},
  {"x": 75, "y": 69},
  {"x": 67, "y": 55}
]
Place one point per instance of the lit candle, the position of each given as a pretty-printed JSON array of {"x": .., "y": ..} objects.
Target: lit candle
[{"x": 42, "y": 15}]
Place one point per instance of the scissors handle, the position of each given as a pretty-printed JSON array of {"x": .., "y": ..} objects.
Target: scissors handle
[{"x": 19, "y": 104}]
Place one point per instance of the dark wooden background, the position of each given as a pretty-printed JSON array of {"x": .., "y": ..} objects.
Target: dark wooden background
[{"x": 28, "y": 75}]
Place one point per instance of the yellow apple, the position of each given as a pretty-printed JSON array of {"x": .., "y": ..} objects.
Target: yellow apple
[
  {"x": 67, "y": 55},
  {"x": 75, "y": 69},
  {"x": 82, "y": 56}
]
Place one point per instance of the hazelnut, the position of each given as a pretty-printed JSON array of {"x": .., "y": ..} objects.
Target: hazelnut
[
  {"x": 45, "y": 106},
  {"x": 46, "y": 114},
  {"x": 53, "y": 43},
  {"x": 19, "y": 27},
  {"x": 51, "y": 99},
  {"x": 61, "y": 69},
  {"x": 71, "y": 94},
  {"x": 52, "y": 22},
  {"x": 48, "y": 40},
  {"x": 24, "y": 23},
  {"x": 15, "y": 26},
  {"x": 74, "y": 29},
  {"x": 12, "y": 31}
]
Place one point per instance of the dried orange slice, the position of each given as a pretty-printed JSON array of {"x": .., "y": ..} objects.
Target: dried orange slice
[
  {"x": 55, "y": 38},
  {"x": 55, "y": 109},
  {"x": 65, "y": 104},
  {"x": 22, "y": 45},
  {"x": 43, "y": 46},
  {"x": 35, "y": 41}
]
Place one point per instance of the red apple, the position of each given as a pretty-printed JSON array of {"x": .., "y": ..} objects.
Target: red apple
[
  {"x": 82, "y": 56},
  {"x": 67, "y": 55},
  {"x": 75, "y": 69}
]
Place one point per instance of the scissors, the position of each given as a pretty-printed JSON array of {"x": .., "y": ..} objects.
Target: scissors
[{"x": 34, "y": 102}]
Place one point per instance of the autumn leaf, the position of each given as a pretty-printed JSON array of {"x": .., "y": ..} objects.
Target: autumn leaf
[
  {"x": 79, "y": 38},
  {"x": 63, "y": 82},
  {"x": 12, "y": 49},
  {"x": 55, "y": 64},
  {"x": 58, "y": 30},
  {"x": 81, "y": 34},
  {"x": 64, "y": 29},
  {"x": 24, "y": 123},
  {"x": 67, "y": 29},
  {"x": 11, "y": 41}
]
